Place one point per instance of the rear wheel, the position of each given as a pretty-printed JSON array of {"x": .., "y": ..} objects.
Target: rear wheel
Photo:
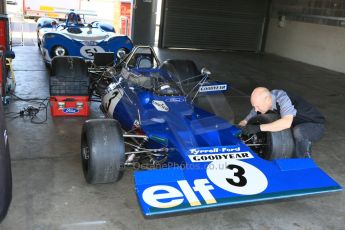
[
  {"x": 102, "y": 151},
  {"x": 271, "y": 145}
]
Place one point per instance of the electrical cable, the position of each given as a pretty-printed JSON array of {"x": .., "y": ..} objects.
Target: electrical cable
[{"x": 30, "y": 111}]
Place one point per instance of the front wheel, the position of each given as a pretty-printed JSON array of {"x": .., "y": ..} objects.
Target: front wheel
[
  {"x": 271, "y": 145},
  {"x": 102, "y": 151}
]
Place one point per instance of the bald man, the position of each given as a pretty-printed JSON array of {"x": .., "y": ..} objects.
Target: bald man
[{"x": 305, "y": 121}]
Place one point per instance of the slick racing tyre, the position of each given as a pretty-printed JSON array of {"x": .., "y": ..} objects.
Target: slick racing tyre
[
  {"x": 102, "y": 151},
  {"x": 271, "y": 145},
  {"x": 5, "y": 169}
]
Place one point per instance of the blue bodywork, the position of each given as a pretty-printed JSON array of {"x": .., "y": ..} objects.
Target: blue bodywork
[
  {"x": 45, "y": 23},
  {"x": 208, "y": 165},
  {"x": 79, "y": 39}
]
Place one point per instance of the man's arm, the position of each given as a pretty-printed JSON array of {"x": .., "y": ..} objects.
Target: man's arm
[
  {"x": 251, "y": 114},
  {"x": 278, "y": 125}
]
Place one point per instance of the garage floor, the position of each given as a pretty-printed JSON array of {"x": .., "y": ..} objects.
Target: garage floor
[{"x": 49, "y": 191}]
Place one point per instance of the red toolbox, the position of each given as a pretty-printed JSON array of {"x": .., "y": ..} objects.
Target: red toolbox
[
  {"x": 4, "y": 46},
  {"x": 69, "y": 87},
  {"x": 4, "y": 33},
  {"x": 70, "y": 106}
]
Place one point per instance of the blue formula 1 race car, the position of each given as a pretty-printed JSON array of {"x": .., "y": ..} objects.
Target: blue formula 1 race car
[
  {"x": 74, "y": 37},
  {"x": 160, "y": 119}
]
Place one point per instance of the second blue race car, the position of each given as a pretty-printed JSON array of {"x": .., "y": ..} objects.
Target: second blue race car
[{"x": 74, "y": 37}]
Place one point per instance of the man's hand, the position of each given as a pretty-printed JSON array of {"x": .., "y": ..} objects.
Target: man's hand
[
  {"x": 242, "y": 123},
  {"x": 250, "y": 129}
]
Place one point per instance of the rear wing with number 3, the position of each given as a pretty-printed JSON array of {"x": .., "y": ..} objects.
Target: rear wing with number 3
[{"x": 212, "y": 180}]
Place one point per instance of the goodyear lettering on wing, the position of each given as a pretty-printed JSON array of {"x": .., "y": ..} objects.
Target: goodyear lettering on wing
[{"x": 223, "y": 156}]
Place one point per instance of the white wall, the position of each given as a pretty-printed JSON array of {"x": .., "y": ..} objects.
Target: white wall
[
  {"x": 105, "y": 9},
  {"x": 315, "y": 44}
]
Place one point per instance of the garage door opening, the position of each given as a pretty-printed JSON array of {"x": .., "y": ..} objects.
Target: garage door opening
[{"x": 218, "y": 25}]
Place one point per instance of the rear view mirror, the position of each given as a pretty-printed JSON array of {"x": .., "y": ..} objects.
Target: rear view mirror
[
  {"x": 121, "y": 54},
  {"x": 205, "y": 71}
]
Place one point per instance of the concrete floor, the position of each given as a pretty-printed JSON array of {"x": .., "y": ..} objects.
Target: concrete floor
[{"x": 49, "y": 191}]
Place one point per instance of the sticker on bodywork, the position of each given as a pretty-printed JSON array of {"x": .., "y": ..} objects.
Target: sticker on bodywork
[
  {"x": 213, "y": 88},
  {"x": 89, "y": 51},
  {"x": 160, "y": 106},
  {"x": 237, "y": 177},
  {"x": 232, "y": 176},
  {"x": 212, "y": 150},
  {"x": 222, "y": 156},
  {"x": 70, "y": 110},
  {"x": 175, "y": 99}
]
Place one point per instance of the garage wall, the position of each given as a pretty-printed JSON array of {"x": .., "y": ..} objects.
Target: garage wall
[
  {"x": 218, "y": 24},
  {"x": 144, "y": 22},
  {"x": 309, "y": 31},
  {"x": 105, "y": 9},
  {"x": 2, "y": 7}
]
